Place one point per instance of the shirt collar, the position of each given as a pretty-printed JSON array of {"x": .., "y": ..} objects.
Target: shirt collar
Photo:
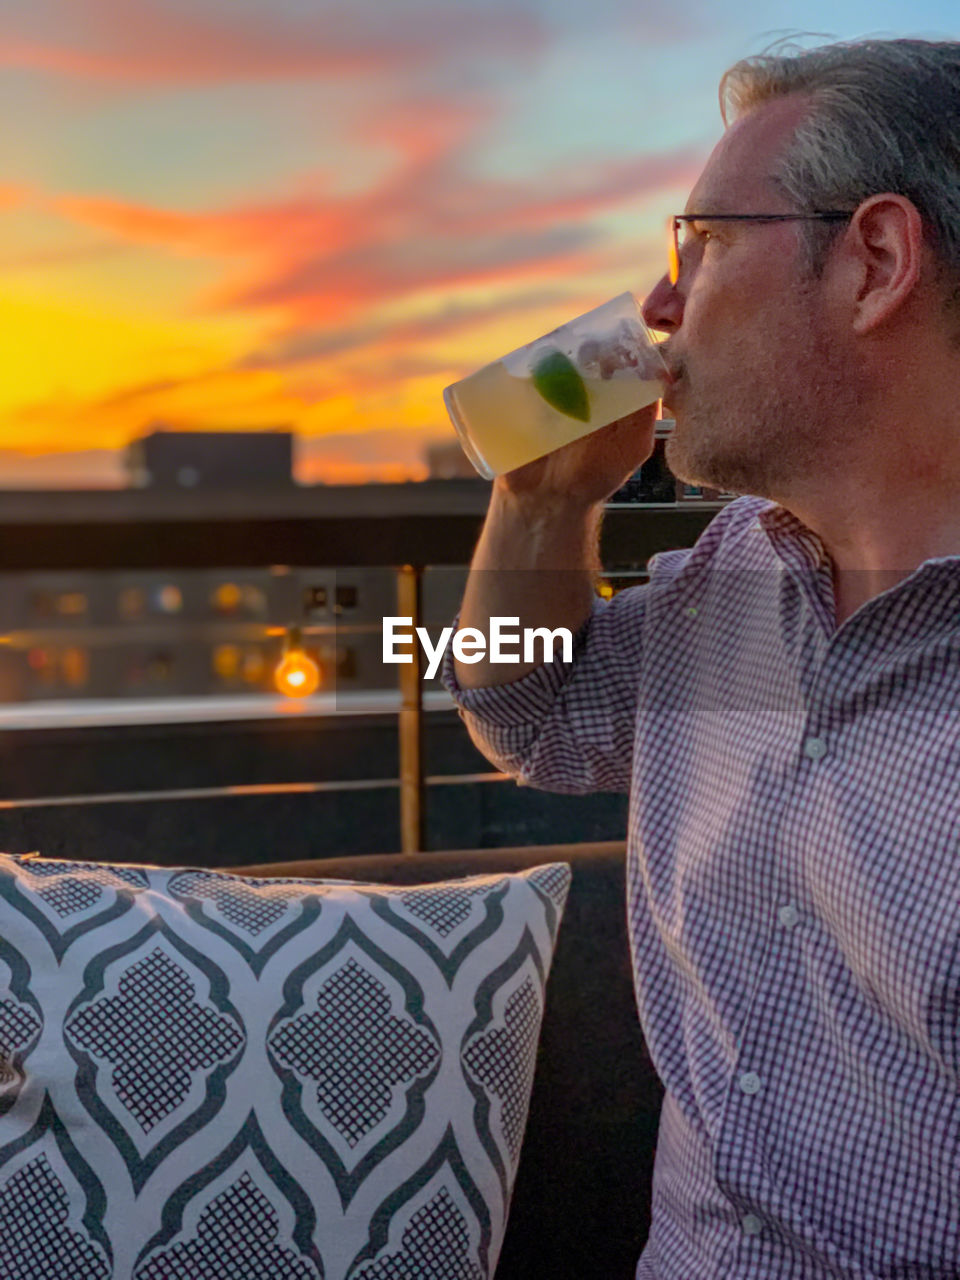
[{"x": 787, "y": 531}]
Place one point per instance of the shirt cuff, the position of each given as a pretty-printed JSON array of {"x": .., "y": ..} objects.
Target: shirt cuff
[{"x": 522, "y": 701}]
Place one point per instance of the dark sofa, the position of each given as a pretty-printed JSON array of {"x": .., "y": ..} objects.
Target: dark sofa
[{"x": 581, "y": 1204}]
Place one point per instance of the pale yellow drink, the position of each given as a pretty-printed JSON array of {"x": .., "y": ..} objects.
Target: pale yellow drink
[{"x": 582, "y": 376}]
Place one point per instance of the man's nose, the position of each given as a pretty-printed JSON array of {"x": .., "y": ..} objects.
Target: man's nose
[{"x": 663, "y": 307}]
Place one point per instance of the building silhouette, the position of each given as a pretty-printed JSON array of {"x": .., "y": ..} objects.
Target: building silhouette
[{"x": 203, "y": 460}]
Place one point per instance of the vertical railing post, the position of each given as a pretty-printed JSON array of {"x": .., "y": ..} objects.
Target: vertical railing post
[{"x": 412, "y": 797}]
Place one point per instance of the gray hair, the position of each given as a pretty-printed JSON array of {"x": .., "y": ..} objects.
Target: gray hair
[{"x": 885, "y": 116}]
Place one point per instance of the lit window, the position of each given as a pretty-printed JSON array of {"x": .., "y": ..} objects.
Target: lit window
[
  {"x": 37, "y": 659},
  {"x": 314, "y": 599},
  {"x": 71, "y": 604},
  {"x": 226, "y": 661},
  {"x": 254, "y": 666},
  {"x": 42, "y": 604},
  {"x": 131, "y": 602},
  {"x": 159, "y": 668},
  {"x": 43, "y": 663},
  {"x": 75, "y": 667},
  {"x": 227, "y": 597},
  {"x": 169, "y": 598},
  {"x": 254, "y": 600}
]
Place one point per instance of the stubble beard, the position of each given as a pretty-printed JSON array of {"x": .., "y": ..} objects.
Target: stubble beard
[
  {"x": 771, "y": 432},
  {"x": 751, "y": 444}
]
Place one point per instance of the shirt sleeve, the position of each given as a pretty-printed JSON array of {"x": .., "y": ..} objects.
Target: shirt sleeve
[{"x": 566, "y": 726}]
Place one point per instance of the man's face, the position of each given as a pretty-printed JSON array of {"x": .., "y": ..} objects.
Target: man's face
[{"x": 761, "y": 379}]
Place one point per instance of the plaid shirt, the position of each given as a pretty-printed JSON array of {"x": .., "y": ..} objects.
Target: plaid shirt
[{"x": 793, "y": 876}]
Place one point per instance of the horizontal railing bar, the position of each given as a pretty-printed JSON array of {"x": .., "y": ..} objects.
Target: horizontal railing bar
[
  {"x": 122, "y": 632},
  {"x": 443, "y": 779},
  {"x": 252, "y": 789},
  {"x": 87, "y": 713},
  {"x": 105, "y": 539},
  {"x": 131, "y": 505}
]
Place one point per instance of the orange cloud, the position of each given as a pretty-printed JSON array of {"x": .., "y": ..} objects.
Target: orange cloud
[
  {"x": 12, "y": 195},
  {"x": 388, "y": 457},
  {"x": 451, "y": 318},
  {"x": 253, "y": 230},
  {"x": 71, "y": 469},
  {"x": 329, "y": 447},
  {"x": 352, "y": 460}
]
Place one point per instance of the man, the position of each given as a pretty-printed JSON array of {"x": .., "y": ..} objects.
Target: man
[{"x": 782, "y": 700}]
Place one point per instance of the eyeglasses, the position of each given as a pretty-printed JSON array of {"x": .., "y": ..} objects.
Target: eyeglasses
[{"x": 674, "y": 221}]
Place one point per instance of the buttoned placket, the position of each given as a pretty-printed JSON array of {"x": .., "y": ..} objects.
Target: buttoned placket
[{"x": 787, "y": 917}]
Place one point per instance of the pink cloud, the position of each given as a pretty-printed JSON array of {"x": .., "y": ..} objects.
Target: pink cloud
[
  {"x": 425, "y": 224},
  {"x": 432, "y": 227},
  {"x": 425, "y": 136},
  {"x": 301, "y": 346},
  {"x": 324, "y": 264},
  {"x": 142, "y": 42}
]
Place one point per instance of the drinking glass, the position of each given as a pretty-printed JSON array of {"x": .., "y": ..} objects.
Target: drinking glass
[{"x": 578, "y": 378}]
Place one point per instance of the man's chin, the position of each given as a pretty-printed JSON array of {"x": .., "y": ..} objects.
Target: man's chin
[
  {"x": 670, "y": 400},
  {"x": 671, "y": 411}
]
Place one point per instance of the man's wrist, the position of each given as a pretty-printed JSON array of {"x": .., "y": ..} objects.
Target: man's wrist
[{"x": 541, "y": 509}]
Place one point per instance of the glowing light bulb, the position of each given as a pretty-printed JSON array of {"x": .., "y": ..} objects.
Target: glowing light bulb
[{"x": 297, "y": 675}]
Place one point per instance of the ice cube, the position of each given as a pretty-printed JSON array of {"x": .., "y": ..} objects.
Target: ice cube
[
  {"x": 588, "y": 358},
  {"x": 604, "y": 356}
]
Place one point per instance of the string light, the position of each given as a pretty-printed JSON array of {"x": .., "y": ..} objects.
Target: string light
[{"x": 296, "y": 675}]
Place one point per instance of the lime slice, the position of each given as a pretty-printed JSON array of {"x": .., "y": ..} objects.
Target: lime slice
[{"x": 555, "y": 376}]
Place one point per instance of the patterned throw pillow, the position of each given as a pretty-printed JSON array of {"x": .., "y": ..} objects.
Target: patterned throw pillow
[{"x": 206, "y": 1075}]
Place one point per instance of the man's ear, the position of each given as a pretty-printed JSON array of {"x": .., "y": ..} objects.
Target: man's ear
[{"x": 883, "y": 252}]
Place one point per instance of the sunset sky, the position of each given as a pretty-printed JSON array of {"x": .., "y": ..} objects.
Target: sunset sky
[{"x": 314, "y": 216}]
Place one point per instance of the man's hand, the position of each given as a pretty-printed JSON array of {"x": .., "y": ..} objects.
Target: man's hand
[
  {"x": 537, "y": 557},
  {"x": 590, "y": 469}
]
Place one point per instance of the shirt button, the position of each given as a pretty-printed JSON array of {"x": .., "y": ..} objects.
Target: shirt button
[
  {"x": 814, "y": 748},
  {"x": 751, "y": 1224},
  {"x": 788, "y": 916},
  {"x": 749, "y": 1082}
]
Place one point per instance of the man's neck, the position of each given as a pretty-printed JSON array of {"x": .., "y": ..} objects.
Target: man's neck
[
  {"x": 874, "y": 544},
  {"x": 854, "y": 588}
]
